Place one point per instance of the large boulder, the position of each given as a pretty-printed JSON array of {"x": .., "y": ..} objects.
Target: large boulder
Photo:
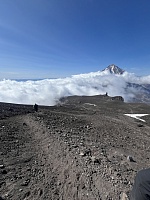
[{"x": 117, "y": 98}]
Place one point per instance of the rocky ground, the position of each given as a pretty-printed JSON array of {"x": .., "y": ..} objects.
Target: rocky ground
[{"x": 77, "y": 150}]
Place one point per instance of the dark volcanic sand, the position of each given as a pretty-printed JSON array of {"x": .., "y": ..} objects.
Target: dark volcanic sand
[{"x": 75, "y": 151}]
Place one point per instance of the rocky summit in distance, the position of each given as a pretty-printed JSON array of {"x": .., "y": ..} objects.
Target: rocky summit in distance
[
  {"x": 113, "y": 69},
  {"x": 140, "y": 91}
]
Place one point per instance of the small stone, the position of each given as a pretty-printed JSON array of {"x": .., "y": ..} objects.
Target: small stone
[
  {"x": 74, "y": 146},
  {"x": 59, "y": 182},
  {"x": 25, "y": 183},
  {"x": 49, "y": 146},
  {"x": 95, "y": 160},
  {"x": 40, "y": 192},
  {"x": 124, "y": 196},
  {"x": 5, "y": 195},
  {"x": 2, "y": 166},
  {"x": 4, "y": 172},
  {"x": 24, "y": 124},
  {"x": 130, "y": 159},
  {"x": 82, "y": 154},
  {"x": 140, "y": 125},
  {"x": 88, "y": 152}
]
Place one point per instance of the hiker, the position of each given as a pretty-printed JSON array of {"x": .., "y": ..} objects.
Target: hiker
[
  {"x": 106, "y": 94},
  {"x": 35, "y": 107},
  {"x": 141, "y": 187}
]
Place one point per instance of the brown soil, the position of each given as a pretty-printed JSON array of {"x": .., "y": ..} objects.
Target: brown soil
[{"x": 75, "y": 151}]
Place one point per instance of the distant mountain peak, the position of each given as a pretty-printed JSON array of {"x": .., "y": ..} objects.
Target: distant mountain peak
[{"x": 113, "y": 69}]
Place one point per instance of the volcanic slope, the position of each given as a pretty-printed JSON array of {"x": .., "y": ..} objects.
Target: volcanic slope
[{"x": 76, "y": 150}]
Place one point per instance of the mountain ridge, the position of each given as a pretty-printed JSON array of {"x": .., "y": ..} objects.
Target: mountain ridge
[
  {"x": 114, "y": 69},
  {"x": 141, "y": 92}
]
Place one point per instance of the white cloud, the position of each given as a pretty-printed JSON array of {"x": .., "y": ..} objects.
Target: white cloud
[
  {"x": 48, "y": 91},
  {"x": 130, "y": 77}
]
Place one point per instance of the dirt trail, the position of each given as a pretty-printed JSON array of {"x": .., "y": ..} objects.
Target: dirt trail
[
  {"x": 64, "y": 176},
  {"x": 43, "y": 167}
]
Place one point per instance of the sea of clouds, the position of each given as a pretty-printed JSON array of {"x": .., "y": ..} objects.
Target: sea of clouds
[{"x": 49, "y": 91}]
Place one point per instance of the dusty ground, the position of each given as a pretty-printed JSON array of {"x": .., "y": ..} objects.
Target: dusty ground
[{"x": 74, "y": 151}]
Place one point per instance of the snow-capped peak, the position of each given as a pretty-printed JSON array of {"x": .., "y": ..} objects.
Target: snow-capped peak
[{"x": 113, "y": 69}]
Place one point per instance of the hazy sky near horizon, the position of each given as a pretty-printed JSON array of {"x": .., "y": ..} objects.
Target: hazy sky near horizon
[{"x": 59, "y": 38}]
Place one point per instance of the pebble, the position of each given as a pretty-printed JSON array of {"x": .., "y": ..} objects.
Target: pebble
[
  {"x": 59, "y": 182},
  {"x": 4, "y": 172},
  {"x": 24, "y": 124},
  {"x": 140, "y": 125},
  {"x": 2, "y": 166},
  {"x": 95, "y": 160},
  {"x": 82, "y": 154},
  {"x": 25, "y": 183},
  {"x": 124, "y": 196},
  {"x": 40, "y": 192},
  {"x": 130, "y": 159}
]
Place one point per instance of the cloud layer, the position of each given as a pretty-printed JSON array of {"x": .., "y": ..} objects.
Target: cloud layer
[{"x": 48, "y": 91}]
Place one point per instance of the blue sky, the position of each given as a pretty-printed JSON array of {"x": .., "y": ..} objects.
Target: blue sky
[{"x": 59, "y": 38}]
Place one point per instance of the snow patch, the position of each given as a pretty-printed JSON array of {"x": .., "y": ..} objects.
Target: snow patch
[
  {"x": 90, "y": 104},
  {"x": 137, "y": 116}
]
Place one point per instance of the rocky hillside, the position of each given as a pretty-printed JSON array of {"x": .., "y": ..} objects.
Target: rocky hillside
[{"x": 84, "y": 148}]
